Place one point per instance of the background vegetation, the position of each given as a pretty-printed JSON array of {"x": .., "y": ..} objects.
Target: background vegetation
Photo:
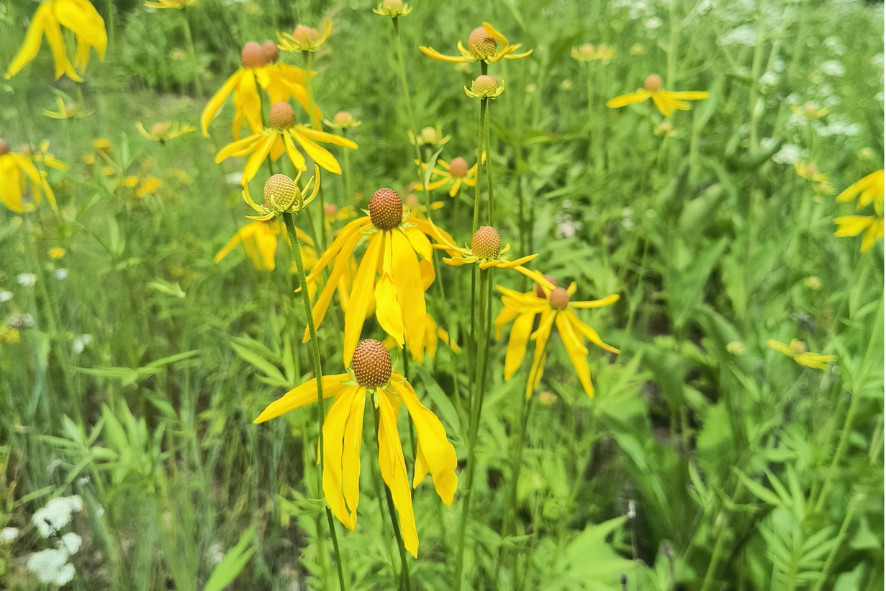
[{"x": 707, "y": 460}]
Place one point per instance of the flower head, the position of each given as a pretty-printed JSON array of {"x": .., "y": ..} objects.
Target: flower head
[
  {"x": 483, "y": 45},
  {"x": 280, "y": 81},
  {"x": 78, "y": 16},
  {"x": 554, "y": 307},
  {"x": 392, "y": 8},
  {"x": 395, "y": 270},
  {"x": 371, "y": 375},
  {"x": 304, "y": 38},
  {"x": 282, "y": 137},
  {"x": 282, "y": 195},
  {"x": 17, "y": 174},
  {"x": 485, "y": 251},
  {"x": 589, "y": 53},
  {"x": 668, "y": 102},
  {"x": 66, "y": 110},
  {"x": 429, "y": 136},
  {"x": 163, "y": 131},
  {"x": 485, "y": 87},
  {"x": 454, "y": 173},
  {"x": 796, "y": 350},
  {"x": 868, "y": 190},
  {"x": 343, "y": 120}
]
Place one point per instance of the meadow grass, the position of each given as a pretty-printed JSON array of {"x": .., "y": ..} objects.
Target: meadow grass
[{"x": 133, "y": 365}]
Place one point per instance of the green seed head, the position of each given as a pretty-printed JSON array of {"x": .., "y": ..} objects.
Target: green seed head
[
  {"x": 281, "y": 193},
  {"x": 481, "y": 44},
  {"x": 486, "y": 243}
]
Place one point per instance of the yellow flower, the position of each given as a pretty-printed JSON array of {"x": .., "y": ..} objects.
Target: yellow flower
[
  {"x": 259, "y": 240},
  {"x": 485, "y": 251},
  {"x": 282, "y": 137},
  {"x": 396, "y": 269},
  {"x": 807, "y": 170},
  {"x": 56, "y": 253},
  {"x": 179, "y": 4},
  {"x": 65, "y": 110},
  {"x": 78, "y": 16},
  {"x": 371, "y": 376},
  {"x": 485, "y": 87},
  {"x": 17, "y": 171},
  {"x": 41, "y": 154},
  {"x": 429, "y": 136},
  {"x": 455, "y": 172},
  {"x": 147, "y": 186},
  {"x": 163, "y": 131},
  {"x": 552, "y": 304},
  {"x": 305, "y": 38},
  {"x": 868, "y": 190},
  {"x": 482, "y": 46},
  {"x": 392, "y": 8},
  {"x": 667, "y": 102},
  {"x": 343, "y": 120},
  {"x": 279, "y": 80},
  {"x": 589, "y": 53},
  {"x": 797, "y": 351},
  {"x": 810, "y": 111},
  {"x": 282, "y": 195}
]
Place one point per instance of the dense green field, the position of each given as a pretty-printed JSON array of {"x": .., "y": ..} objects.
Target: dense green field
[{"x": 702, "y": 408}]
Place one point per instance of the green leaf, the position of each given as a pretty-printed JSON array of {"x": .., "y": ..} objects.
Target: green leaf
[{"x": 232, "y": 564}]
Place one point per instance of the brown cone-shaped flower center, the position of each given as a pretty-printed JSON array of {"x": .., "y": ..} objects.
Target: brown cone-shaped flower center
[
  {"x": 481, "y": 44},
  {"x": 798, "y": 347},
  {"x": 281, "y": 116},
  {"x": 4, "y": 147},
  {"x": 486, "y": 243},
  {"x": 253, "y": 55},
  {"x": 458, "y": 168},
  {"x": 161, "y": 128},
  {"x": 386, "y": 209},
  {"x": 272, "y": 54},
  {"x": 558, "y": 298},
  {"x": 539, "y": 292},
  {"x": 281, "y": 193},
  {"x": 305, "y": 36},
  {"x": 343, "y": 119},
  {"x": 371, "y": 364},
  {"x": 329, "y": 210},
  {"x": 652, "y": 83},
  {"x": 484, "y": 85}
]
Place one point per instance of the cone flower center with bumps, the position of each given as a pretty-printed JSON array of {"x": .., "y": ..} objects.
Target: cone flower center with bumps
[
  {"x": 558, "y": 299},
  {"x": 652, "y": 83},
  {"x": 483, "y": 45},
  {"x": 282, "y": 195},
  {"x": 486, "y": 251},
  {"x": 281, "y": 116},
  {"x": 458, "y": 168},
  {"x": 485, "y": 87},
  {"x": 385, "y": 209},
  {"x": 371, "y": 364},
  {"x": 486, "y": 243}
]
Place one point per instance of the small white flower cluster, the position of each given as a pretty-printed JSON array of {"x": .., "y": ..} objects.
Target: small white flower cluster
[{"x": 51, "y": 565}]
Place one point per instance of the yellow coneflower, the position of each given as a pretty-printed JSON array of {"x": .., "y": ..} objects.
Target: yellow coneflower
[
  {"x": 282, "y": 136},
  {"x": 796, "y": 350},
  {"x": 371, "y": 376},
  {"x": 392, "y": 8},
  {"x": 667, "y": 102},
  {"x": 259, "y": 240},
  {"x": 589, "y": 53},
  {"x": 65, "y": 110},
  {"x": 454, "y": 173},
  {"x": 304, "y": 38},
  {"x": 17, "y": 172},
  {"x": 868, "y": 190},
  {"x": 553, "y": 306},
  {"x": 486, "y": 252},
  {"x": 396, "y": 269},
  {"x": 483, "y": 45},
  {"x": 163, "y": 131},
  {"x": 78, "y": 16}
]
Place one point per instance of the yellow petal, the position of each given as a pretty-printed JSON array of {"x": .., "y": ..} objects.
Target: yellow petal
[
  {"x": 361, "y": 293},
  {"x": 318, "y": 154},
  {"x": 393, "y": 470},
  {"x": 295, "y": 156},
  {"x": 852, "y": 225},
  {"x": 780, "y": 347},
  {"x": 610, "y": 299},
  {"x": 430, "y": 52},
  {"x": 302, "y": 396},
  {"x": 238, "y": 148},
  {"x": 517, "y": 342},
  {"x": 687, "y": 95},
  {"x": 589, "y": 332},
  {"x": 577, "y": 353},
  {"x": 218, "y": 100},
  {"x": 30, "y": 45},
  {"x": 410, "y": 292},
  {"x": 333, "y": 451},
  {"x": 665, "y": 106},
  {"x": 387, "y": 308},
  {"x": 350, "y": 459},
  {"x": 11, "y": 190},
  {"x": 438, "y": 453},
  {"x": 248, "y": 100},
  {"x": 627, "y": 99},
  {"x": 258, "y": 157},
  {"x": 327, "y": 138}
]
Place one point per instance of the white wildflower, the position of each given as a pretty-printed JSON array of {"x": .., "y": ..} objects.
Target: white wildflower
[
  {"x": 70, "y": 543},
  {"x": 51, "y": 566},
  {"x": 26, "y": 279},
  {"x": 61, "y": 274},
  {"x": 5, "y": 296},
  {"x": 833, "y": 68},
  {"x": 8, "y": 534},
  {"x": 788, "y": 154},
  {"x": 56, "y": 514}
]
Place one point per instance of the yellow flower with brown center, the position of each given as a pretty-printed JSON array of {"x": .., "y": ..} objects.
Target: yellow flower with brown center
[
  {"x": 867, "y": 191},
  {"x": 553, "y": 307},
  {"x": 304, "y": 38},
  {"x": 343, "y": 120},
  {"x": 667, "y": 102},
  {"x": 258, "y": 70},
  {"x": 17, "y": 175},
  {"x": 429, "y": 136},
  {"x": 589, "y": 53},
  {"x": 163, "y": 131},
  {"x": 65, "y": 110},
  {"x": 396, "y": 269},
  {"x": 282, "y": 136},
  {"x": 78, "y": 16},
  {"x": 796, "y": 350},
  {"x": 454, "y": 173},
  {"x": 485, "y": 251},
  {"x": 392, "y": 8},
  {"x": 259, "y": 240},
  {"x": 371, "y": 376},
  {"x": 483, "y": 45}
]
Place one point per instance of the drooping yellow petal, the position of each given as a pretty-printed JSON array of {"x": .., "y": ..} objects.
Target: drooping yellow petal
[
  {"x": 217, "y": 100},
  {"x": 327, "y": 138},
  {"x": 239, "y": 147},
  {"x": 665, "y": 106},
  {"x": 393, "y": 470},
  {"x": 687, "y": 95},
  {"x": 318, "y": 154},
  {"x": 361, "y": 294},
  {"x": 30, "y": 46},
  {"x": 410, "y": 291},
  {"x": 438, "y": 453},
  {"x": 249, "y": 101},
  {"x": 873, "y": 233},
  {"x": 11, "y": 188},
  {"x": 302, "y": 396},
  {"x": 387, "y": 308},
  {"x": 350, "y": 459},
  {"x": 577, "y": 353},
  {"x": 333, "y": 454},
  {"x": 628, "y": 99},
  {"x": 588, "y": 332},
  {"x": 517, "y": 343},
  {"x": 243, "y": 234},
  {"x": 852, "y": 225},
  {"x": 258, "y": 157},
  {"x": 298, "y": 161}
]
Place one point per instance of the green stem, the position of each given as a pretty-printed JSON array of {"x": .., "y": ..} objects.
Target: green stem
[
  {"x": 720, "y": 523},
  {"x": 841, "y": 535},
  {"x": 192, "y": 53},
  {"x": 392, "y": 511},
  {"x": 398, "y": 48},
  {"x": 295, "y": 251},
  {"x": 315, "y": 124},
  {"x": 481, "y": 135}
]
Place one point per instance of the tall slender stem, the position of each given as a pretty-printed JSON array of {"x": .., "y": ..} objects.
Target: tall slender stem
[
  {"x": 295, "y": 251},
  {"x": 192, "y": 53},
  {"x": 315, "y": 124},
  {"x": 481, "y": 140}
]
